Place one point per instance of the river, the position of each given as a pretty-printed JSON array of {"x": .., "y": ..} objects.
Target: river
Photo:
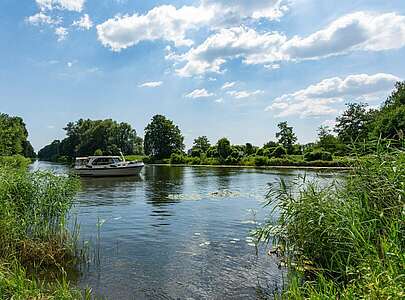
[{"x": 178, "y": 233}]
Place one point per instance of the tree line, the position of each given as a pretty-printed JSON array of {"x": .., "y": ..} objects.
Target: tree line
[{"x": 164, "y": 142}]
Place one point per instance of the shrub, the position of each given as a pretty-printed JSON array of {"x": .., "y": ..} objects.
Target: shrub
[
  {"x": 178, "y": 159},
  {"x": 14, "y": 162},
  {"x": 279, "y": 152},
  {"x": 318, "y": 155},
  {"x": 261, "y": 161}
]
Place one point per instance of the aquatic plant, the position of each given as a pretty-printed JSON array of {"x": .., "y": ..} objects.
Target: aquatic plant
[
  {"x": 345, "y": 240},
  {"x": 33, "y": 233}
]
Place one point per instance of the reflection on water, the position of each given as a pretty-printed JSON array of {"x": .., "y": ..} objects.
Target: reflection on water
[{"x": 176, "y": 233}]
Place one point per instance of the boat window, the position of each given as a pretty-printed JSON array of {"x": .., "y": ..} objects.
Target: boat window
[{"x": 103, "y": 161}]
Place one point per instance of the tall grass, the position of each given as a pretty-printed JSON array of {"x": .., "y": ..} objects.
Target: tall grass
[
  {"x": 33, "y": 233},
  {"x": 345, "y": 240}
]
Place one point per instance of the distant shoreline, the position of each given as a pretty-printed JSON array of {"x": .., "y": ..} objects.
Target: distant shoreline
[{"x": 257, "y": 167}]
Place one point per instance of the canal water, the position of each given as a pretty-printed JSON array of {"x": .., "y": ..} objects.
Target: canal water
[{"x": 178, "y": 233}]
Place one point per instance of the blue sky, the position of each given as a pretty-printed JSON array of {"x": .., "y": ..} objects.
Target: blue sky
[{"x": 219, "y": 68}]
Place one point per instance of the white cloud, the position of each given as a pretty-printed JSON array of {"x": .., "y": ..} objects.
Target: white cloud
[
  {"x": 330, "y": 123},
  {"x": 42, "y": 19},
  {"x": 152, "y": 84},
  {"x": 61, "y": 33},
  {"x": 228, "y": 85},
  {"x": 235, "y": 11},
  {"x": 359, "y": 31},
  {"x": 236, "y": 42},
  {"x": 172, "y": 24},
  {"x": 84, "y": 22},
  {"x": 199, "y": 93},
  {"x": 219, "y": 100},
  {"x": 319, "y": 99},
  {"x": 71, "y": 5},
  {"x": 244, "y": 94},
  {"x": 164, "y": 22}
]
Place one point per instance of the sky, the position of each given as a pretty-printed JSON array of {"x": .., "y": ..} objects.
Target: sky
[{"x": 220, "y": 68}]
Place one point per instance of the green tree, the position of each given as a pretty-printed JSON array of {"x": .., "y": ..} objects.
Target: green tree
[
  {"x": 13, "y": 137},
  {"x": 138, "y": 146},
  {"x": 162, "y": 138},
  {"x": 327, "y": 140},
  {"x": 286, "y": 137},
  {"x": 390, "y": 120},
  {"x": 355, "y": 123},
  {"x": 202, "y": 143},
  {"x": 224, "y": 148}
]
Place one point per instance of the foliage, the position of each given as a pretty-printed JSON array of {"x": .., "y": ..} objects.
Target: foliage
[
  {"x": 201, "y": 143},
  {"x": 286, "y": 136},
  {"x": 162, "y": 138},
  {"x": 279, "y": 152},
  {"x": 345, "y": 240},
  {"x": 13, "y": 137},
  {"x": 85, "y": 137},
  {"x": 354, "y": 123},
  {"x": 318, "y": 155},
  {"x": 224, "y": 148},
  {"x": 14, "y": 162},
  {"x": 33, "y": 210}
]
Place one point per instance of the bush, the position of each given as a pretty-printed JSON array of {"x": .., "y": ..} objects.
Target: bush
[
  {"x": 98, "y": 152},
  {"x": 14, "y": 162},
  {"x": 279, "y": 152},
  {"x": 261, "y": 161},
  {"x": 178, "y": 159},
  {"x": 318, "y": 155}
]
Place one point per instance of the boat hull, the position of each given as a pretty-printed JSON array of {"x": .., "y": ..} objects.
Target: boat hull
[{"x": 107, "y": 172}]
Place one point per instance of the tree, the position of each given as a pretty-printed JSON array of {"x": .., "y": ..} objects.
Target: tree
[
  {"x": 202, "y": 143},
  {"x": 327, "y": 140},
  {"x": 162, "y": 138},
  {"x": 286, "y": 137},
  {"x": 390, "y": 120},
  {"x": 249, "y": 149},
  {"x": 138, "y": 146},
  {"x": 354, "y": 124},
  {"x": 13, "y": 137},
  {"x": 224, "y": 148}
]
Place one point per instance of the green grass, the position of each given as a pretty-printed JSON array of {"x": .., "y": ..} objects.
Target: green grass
[
  {"x": 345, "y": 240},
  {"x": 33, "y": 234}
]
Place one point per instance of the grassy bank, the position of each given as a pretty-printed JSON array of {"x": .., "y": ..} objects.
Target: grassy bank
[
  {"x": 345, "y": 240},
  {"x": 33, "y": 234}
]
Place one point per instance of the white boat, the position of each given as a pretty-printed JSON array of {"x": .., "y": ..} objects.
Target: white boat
[{"x": 104, "y": 166}]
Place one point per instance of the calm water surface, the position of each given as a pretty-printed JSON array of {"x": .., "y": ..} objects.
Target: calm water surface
[{"x": 178, "y": 233}]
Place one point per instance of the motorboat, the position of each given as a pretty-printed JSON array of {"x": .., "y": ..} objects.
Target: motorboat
[{"x": 105, "y": 166}]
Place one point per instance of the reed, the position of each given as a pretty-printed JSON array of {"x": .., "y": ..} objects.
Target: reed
[
  {"x": 34, "y": 234},
  {"x": 344, "y": 240}
]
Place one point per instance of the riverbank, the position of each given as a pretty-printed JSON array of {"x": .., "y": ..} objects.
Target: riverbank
[
  {"x": 258, "y": 167},
  {"x": 345, "y": 240},
  {"x": 33, "y": 233}
]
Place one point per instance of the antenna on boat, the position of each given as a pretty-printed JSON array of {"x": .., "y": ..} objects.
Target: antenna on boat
[{"x": 122, "y": 156}]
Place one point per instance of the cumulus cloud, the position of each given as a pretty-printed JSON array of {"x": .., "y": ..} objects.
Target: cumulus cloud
[
  {"x": 361, "y": 31},
  {"x": 61, "y": 33},
  {"x": 321, "y": 98},
  {"x": 228, "y": 85},
  {"x": 164, "y": 22},
  {"x": 244, "y": 94},
  {"x": 172, "y": 24},
  {"x": 236, "y": 42},
  {"x": 42, "y": 19},
  {"x": 199, "y": 93},
  {"x": 84, "y": 22},
  {"x": 152, "y": 84},
  {"x": 71, "y": 5}
]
